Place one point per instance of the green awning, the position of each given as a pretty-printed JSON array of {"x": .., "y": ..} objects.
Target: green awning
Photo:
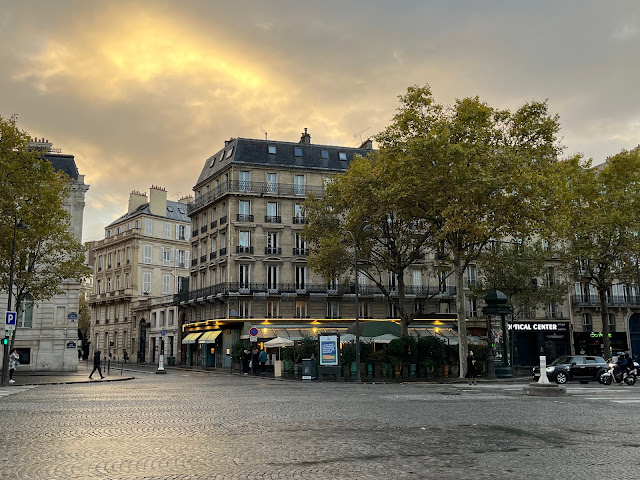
[
  {"x": 210, "y": 337},
  {"x": 375, "y": 329}
]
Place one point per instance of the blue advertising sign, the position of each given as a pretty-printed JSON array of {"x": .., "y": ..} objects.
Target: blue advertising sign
[
  {"x": 329, "y": 350},
  {"x": 10, "y": 318}
]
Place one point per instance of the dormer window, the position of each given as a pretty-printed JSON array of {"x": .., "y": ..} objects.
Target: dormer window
[
  {"x": 324, "y": 154},
  {"x": 272, "y": 149},
  {"x": 229, "y": 153},
  {"x": 297, "y": 151},
  {"x": 343, "y": 156}
]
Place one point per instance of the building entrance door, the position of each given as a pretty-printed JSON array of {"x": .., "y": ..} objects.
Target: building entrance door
[{"x": 634, "y": 330}]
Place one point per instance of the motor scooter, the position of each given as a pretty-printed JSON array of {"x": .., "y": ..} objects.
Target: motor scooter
[{"x": 628, "y": 376}]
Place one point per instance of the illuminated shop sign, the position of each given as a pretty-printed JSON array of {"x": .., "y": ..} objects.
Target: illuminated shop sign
[
  {"x": 598, "y": 335},
  {"x": 538, "y": 327}
]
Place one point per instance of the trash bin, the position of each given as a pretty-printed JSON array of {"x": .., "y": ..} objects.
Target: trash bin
[
  {"x": 308, "y": 369},
  {"x": 277, "y": 368}
]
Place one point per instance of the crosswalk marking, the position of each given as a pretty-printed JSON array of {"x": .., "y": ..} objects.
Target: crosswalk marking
[{"x": 5, "y": 391}]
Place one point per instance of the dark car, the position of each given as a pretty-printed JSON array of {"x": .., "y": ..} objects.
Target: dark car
[{"x": 583, "y": 368}]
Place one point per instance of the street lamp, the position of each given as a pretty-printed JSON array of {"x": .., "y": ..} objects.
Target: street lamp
[
  {"x": 364, "y": 227},
  {"x": 17, "y": 225}
]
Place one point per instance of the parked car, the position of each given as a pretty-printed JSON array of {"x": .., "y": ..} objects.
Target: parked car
[{"x": 583, "y": 368}]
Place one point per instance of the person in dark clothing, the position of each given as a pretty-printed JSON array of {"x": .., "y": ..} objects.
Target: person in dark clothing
[
  {"x": 96, "y": 365},
  {"x": 471, "y": 368},
  {"x": 262, "y": 358},
  {"x": 246, "y": 357},
  {"x": 254, "y": 360}
]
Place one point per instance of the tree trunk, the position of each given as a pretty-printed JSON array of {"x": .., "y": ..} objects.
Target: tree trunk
[
  {"x": 604, "y": 311},
  {"x": 462, "y": 324}
]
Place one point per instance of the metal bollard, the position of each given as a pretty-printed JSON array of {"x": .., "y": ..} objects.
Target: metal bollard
[{"x": 543, "y": 370}]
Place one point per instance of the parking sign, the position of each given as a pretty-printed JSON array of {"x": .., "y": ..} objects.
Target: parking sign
[{"x": 10, "y": 318}]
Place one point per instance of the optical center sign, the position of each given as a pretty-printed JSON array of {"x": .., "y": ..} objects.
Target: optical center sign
[
  {"x": 543, "y": 327},
  {"x": 328, "y": 350}
]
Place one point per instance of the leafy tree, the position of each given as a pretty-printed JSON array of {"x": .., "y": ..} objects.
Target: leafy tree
[
  {"x": 521, "y": 272},
  {"x": 366, "y": 208},
  {"x": 494, "y": 172},
  {"x": 603, "y": 239},
  {"x": 33, "y": 192}
]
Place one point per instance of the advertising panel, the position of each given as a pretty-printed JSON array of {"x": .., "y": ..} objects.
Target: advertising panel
[{"x": 329, "y": 350}]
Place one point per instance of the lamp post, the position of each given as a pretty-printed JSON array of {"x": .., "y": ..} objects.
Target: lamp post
[
  {"x": 5, "y": 354},
  {"x": 366, "y": 228}
]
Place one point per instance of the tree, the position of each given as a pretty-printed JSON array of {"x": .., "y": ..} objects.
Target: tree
[
  {"x": 522, "y": 272},
  {"x": 495, "y": 173},
  {"x": 602, "y": 240},
  {"x": 33, "y": 192},
  {"x": 365, "y": 208}
]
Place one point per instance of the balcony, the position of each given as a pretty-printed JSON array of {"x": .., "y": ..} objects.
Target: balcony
[
  {"x": 258, "y": 188},
  {"x": 214, "y": 224},
  {"x": 203, "y": 258},
  {"x": 223, "y": 220},
  {"x": 272, "y": 219},
  {"x": 300, "y": 251},
  {"x": 612, "y": 301},
  {"x": 203, "y": 229},
  {"x": 300, "y": 220},
  {"x": 194, "y": 262},
  {"x": 273, "y": 250},
  {"x": 244, "y": 249},
  {"x": 194, "y": 232},
  {"x": 213, "y": 255},
  {"x": 223, "y": 251},
  {"x": 244, "y": 217}
]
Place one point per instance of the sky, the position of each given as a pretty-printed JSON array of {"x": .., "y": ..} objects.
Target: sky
[{"x": 143, "y": 92}]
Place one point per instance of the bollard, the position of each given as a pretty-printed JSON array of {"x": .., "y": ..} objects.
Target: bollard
[{"x": 543, "y": 370}]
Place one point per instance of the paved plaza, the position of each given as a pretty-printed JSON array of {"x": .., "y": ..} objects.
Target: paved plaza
[{"x": 198, "y": 425}]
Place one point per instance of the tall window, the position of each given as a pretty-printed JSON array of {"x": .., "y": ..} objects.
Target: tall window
[
  {"x": 100, "y": 263},
  {"x": 273, "y": 308},
  {"x": 166, "y": 284},
  {"x": 300, "y": 247},
  {"x": 244, "y": 210},
  {"x": 298, "y": 213},
  {"x": 181, "y": 259},
  {"x": 244, "y": 308},
  {"x": 223, "y": 274},
  {"x": 147, "y": 254},
  {"x": 25, "y": 318},
  {"x": 393, "y": 283},
  {"x": 162, "y": 317},
  {"x": 301, "y": 308},
  {"x": 333, "y": 309},
  {"x": 171, "y": 315},
  {"x": 244, "y": 242},
  {"x": 272, "y": 242},
  {"x": 612, "y": 322},
  {"x": 108, "y": 284},
  {"x": 148, "y": 226},
  {"x": 365, "y": 309},
  {"x": 301, "y": 275},
  {"x": 181, "y": 232},
  {"x": 587, "y": 325},
  {"x": 272, "y": 183},
  {"x": 109, "y": 260},
  {"x": 146, "y": 282},
  {"x": 167, "y": 230},
  {"x": 272, "y": 278},
  {"x": 128, "y": 255},
  {"x": 244, "y": 183},
  {"x": 298, "y": 185},
  {"x": 126, "y": 280},
  {"x": 166, "y": 256},
  {"x": 244, "y": 276},
  {"x": 470, "y": 274},
  {"x": 272, "y": 212},
  {"x": 119, "y": 257},
  {"x": 117, "y": 282}
]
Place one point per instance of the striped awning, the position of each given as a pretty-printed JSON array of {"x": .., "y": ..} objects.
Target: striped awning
[
  {"x": 191, "y": 338},
  {"x": 210, "y": 337}
]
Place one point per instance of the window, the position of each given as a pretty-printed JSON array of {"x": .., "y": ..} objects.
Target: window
[
  {"x": 108, "y": 284},
  {"x": 223, "y": 274},
  {"x": 128, "y": 255},
  {"x": 244, "y": 276},
  {"x": 119, "y": 257},
  {"x": 244, "y": 308},
  {"x": 244, "y": 208},
  {"x": 147, "y": 254},
  {"x": 162, "y": 317},
  {"x": 272, "y": 183},
  {"x": 298, "y": 185},
  {"x": 300, "y": 247},
  {"x": 108, "y": 260},
  {"x": 126, "y": 280},
  {"x": 417, "y": 281},
  {"x": 550, "y": 276},
  {"x": 153, "y": 319},
  {"x": 272, "y": 149},
  {"x": 166, "y": 256},
  {"x": 297, "y": 151},
  {"x": 324, "y": 154},
  {"x": 244, "y": 239},
  {"x": 181, "y": 263},
  {"x": 99, "y": 287},
  {"x": 166, "y": 284},
  {"x": 97, "y": 313},
  {"x": 365, "y": 309},
  {"x": 229, "y": 153},
  {"x": 333, "y": 309},
  {"x": 273, "y": 308},
  {"x": 146, "y": 282},
  {"x": 342, "y": 156},
  {"x": 272, "y": 212},
  {"x": 117, "y": 282},
  {"x": 301, "y": 275},
  {"x": 272, "y": 278},
  {"x": 332, "y": 286},
  {"x": 148, "y": 226},
  {"x": 171, "y": 315},
  {"x": 298, "y": 213},
  {"x": 167, "y": 230},
  {"x": 244, "y": 184},
  {"x": 25, "y": 317},
  {"x": 587, "y": 325},
  {"x": 301, "y": 308},
  {"x": 393, "y": 311},
  {"x": 393, "y": 283},
  {"x": 182, "y": 232},
  {"x": 100, "y": 263},
  {"x": 472, "y": 307},
  {"x": 612, "y": 323},
  {"x": 470, "y": 274}
]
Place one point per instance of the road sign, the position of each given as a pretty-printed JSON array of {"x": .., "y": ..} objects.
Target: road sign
[
  {"x": 253, "y": 332},
  {"x": 10, "y": 318},
  {"x": 164, "y": 333},
  {"x": 72, "y": 317}
]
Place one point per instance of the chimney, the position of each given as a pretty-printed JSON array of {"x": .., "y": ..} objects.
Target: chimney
[
  {"x": 136, "y": 199},
  {"x": 158, "y": 201},
  {"x": 367, "y": 144},
  {"x": 305, "y": 138}
]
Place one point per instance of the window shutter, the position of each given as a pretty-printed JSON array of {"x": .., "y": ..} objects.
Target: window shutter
[
  {"x": 186, "y": 258},
  {"x": 188, "y": 234}
]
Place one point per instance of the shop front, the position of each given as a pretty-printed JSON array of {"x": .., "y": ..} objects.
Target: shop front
[
  {"x": 590, "y": 343},
  {"x": 530, "y": 340}
]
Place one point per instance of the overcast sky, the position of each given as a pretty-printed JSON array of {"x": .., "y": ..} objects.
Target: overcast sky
[{"x": 143, "y": 92}]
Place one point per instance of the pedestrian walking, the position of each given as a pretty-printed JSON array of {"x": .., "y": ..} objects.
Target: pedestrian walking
[
  {"x": 246, "y": 357},
  {"x": 254, "y": 360},
  {"x": 262, "y": 358},
  {"x": 96, "y": 365},
  {"x": 471, "y": 368},
  {"x": 14, "y": 361},
  {"x": 79, "y": 354}
]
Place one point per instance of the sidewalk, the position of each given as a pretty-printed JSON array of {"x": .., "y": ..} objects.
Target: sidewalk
[{"x": 27, "y": 378}]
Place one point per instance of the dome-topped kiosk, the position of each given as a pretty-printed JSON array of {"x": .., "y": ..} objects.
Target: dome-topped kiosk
[{"x": 496, "y": 311}]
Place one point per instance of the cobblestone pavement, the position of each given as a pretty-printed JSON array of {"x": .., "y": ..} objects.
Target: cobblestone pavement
[{"x": 186, "y": 425}]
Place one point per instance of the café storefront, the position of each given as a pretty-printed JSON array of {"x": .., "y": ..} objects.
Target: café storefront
[
  {"x": 530, "y": 340},
  {"x": 590, "y": 343}
]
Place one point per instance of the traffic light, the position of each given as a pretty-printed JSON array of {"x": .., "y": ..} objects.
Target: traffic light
[{"x": 5, "y": 341}]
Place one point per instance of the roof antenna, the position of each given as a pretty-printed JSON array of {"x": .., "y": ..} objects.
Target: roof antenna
[
  {"x": 265, "y": 133},
  {"x": 359, "y": 134}
]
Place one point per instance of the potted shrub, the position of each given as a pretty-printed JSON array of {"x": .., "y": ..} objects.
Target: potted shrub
[{"x": 398, "y": 351}]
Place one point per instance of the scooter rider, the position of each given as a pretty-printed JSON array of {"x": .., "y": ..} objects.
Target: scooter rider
[{"x": 622, "y": 364}]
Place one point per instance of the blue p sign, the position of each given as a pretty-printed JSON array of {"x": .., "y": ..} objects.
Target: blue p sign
[{"x": 10, "y": 318}]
